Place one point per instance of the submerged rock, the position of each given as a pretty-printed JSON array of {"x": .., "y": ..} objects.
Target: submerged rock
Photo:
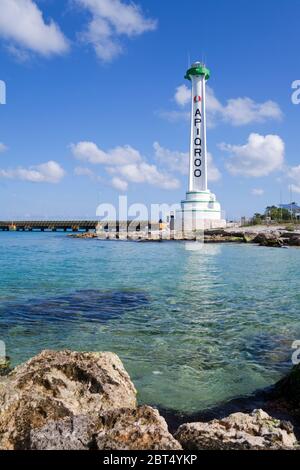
[
  {"x": 287, "y": 390},
  {"x": 239, "y": 431},
  {"x": 125, "y": 429},
  {"x": 55, "y": 385},
  {"x": 83, "y": 235},
  {"x": 82, "y": 305},
  {"x": 5, "y": 367}
]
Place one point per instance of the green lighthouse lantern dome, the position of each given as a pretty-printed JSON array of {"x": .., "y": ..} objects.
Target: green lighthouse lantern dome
[{"x": 198, "y": 69}]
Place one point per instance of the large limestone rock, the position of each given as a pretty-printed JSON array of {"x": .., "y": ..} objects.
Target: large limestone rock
[
  {"x": 141, "y": 429},
  {"x": 270, "y": 239},
  {"x": 125, "y": 429},
  {"x": 294, "y": 240},
  {"x": 56, "y": 385},
  {"x": 72, "y": 400},
  {"x": 249, "y": 237},
  {"x": 71, "y": 433},
  {"x": 238, "y": 431}
]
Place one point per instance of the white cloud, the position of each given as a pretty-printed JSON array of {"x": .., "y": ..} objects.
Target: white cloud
[
  {"x": 3, "y": 147},
  {"x": 294, "y": 188},
  {"x": 130, "y": 172},
  {"x": 242, "y": 111},
  {"x": 260, "y": 156},
  {"x": 182, "y": 95},
  {"x": 90, "y": 152},
  {"x": 125, "y": 164},
  {"x": 84, "y": 171},
  {"x": 20, "y": 55},
  {"x": 116, "y": 182},
  {"x": 213, "y": 173},
  {"x": 145, "y": 173},
  {"x": 257, "y": 192},
  {"x": 119, "y": 184},
  {"x": 172, "y": 159},
  {"x": 178, "y": 162},
  {"x": 110, "y": 20},
  {"x": 213, "y": 105},
  {"x": 237, "y": 111},
  {"x": 50, "y": 172},
  {"x": 23, "y": 26},
  {"x": 293, "y": 173}
]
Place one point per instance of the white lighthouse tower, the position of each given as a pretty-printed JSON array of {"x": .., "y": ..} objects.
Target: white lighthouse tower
[{"x": 200, "y": 209}]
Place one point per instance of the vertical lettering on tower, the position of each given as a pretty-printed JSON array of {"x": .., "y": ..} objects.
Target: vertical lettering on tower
[{"x": 197, "y": 137}]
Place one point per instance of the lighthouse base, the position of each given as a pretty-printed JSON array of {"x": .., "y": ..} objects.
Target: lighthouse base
[{"x": 199, "y": 211}]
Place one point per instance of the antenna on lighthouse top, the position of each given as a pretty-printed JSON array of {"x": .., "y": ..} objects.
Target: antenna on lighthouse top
[{"x": 189, "y": 60}]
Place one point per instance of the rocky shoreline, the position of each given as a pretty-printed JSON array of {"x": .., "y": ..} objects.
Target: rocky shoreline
[
  {"x": 264, "y": 236},
  {"x": 74, "y": 400}
]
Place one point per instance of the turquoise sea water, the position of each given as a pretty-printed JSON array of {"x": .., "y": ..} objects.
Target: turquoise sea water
[{"x": 193, "y": 328}]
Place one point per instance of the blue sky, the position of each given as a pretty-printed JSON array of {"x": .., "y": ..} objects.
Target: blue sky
[{"x": 97, "y": 105}]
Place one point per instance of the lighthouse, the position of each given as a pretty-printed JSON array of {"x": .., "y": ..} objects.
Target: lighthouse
[{"x": 200, "y": 209}]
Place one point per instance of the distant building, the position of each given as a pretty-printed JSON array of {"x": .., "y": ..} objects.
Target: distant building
[
  {"x": 245, "y": 221},
  {"x": 293, "y": 208}
]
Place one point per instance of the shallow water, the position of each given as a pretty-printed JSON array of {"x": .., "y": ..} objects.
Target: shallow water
[{"x": 193, "y": 328}]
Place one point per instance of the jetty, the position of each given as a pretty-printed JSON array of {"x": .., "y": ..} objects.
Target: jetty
[{"x": 75, "y": 225}]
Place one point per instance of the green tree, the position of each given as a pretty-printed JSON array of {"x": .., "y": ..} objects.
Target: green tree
[
  {"x": 257, "y": 219},
  {"x": 278, "y": 214}
]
